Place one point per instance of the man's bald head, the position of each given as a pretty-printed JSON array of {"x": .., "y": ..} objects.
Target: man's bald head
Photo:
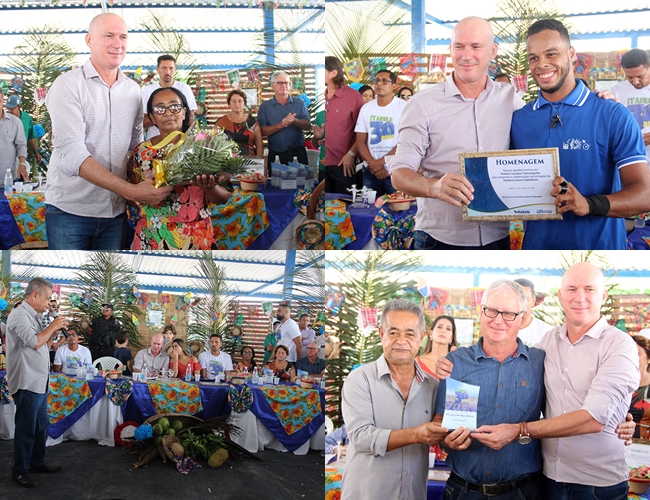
[
  {"x": 98, "y": 22},
  {"x": 476, "y": 25}
]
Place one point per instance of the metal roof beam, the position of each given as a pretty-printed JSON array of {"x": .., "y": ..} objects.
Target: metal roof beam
[
  {"x": 176, "y": 30},
  {"x": 148, "y": 5},
  {"x": 594, "y": 35}
]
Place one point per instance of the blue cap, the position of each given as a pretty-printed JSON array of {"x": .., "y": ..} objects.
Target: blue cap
[{"x": 12, "y": 101}]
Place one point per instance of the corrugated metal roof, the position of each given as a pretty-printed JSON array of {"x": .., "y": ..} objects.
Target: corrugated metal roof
[{"x": 252, "y": 273}]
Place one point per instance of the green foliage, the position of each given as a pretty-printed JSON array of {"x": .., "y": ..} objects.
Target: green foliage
[
  {"x": 213, "y": 283},
  {"x": 308, "y": 291},
  {"x": 367, "y": 279},
  {"x": 42, "y": 56},
  {"x": 358, "y": 29},
  {"x": 511, "y": 27},
  {"x": 109, "y": 279}
]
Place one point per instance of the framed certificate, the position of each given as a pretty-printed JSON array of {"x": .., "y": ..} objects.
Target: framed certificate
[{"x": 511, "y": 185}]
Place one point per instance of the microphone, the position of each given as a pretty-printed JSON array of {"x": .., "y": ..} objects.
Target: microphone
[{"x": 63, "y": 330}]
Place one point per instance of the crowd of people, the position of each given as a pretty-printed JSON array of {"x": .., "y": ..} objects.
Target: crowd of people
[
  {"x": 38, "y": 340},
  {"x": 415, "y": 148},
  {"x": 557, "y": 403},
  {"x": 90, "y": 179}
]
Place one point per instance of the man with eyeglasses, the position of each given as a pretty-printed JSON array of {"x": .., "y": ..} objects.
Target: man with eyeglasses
[
  {"x": 377, "y": 132},
  {"x": 311, "y": 363},
  {"x": 282, "y": 119},
  {"x": 591, "y": 371},
  {"x": 511, "y": 377},
  {"x": 103, "y": 329},
  {"x": 96, "y": 114},
  {"x": 634, "y": 92},
  {"x": 166, "y": 69}
]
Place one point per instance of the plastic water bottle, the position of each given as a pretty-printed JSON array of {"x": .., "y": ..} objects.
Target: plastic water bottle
[
  {"x": 295, "y": 159},
  {"x": 144, "y": 369},
  {"x": 90, "y": 374},
  {"x": 256, "y": 376},
  {"x": 9, "y": 183},
  {"x": 188, "y": 372},
  {"x": 277, "y": 160}
]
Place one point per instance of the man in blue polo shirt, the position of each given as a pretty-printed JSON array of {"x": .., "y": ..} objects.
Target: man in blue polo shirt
[
  {"x": 282, "y": 119},
  {"x": 604, "y": 172}
]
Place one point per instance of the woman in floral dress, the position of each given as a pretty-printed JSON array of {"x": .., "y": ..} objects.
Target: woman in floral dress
[{"x": 182, "y": 221}]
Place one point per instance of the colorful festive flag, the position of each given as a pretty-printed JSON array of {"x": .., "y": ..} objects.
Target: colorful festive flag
[
  {"x": 136, "y": 292},
  {"x": 375, "y": 65},
  {"x": 408, "y": 64},
  {"x": 423, "y": 288},
  {"x": 438, "y": 61},
  {"x": 520, "y": 82},
  {"x": 39, "y": 95},
  {"x": 173, "y": 320},
  {"x": 493, "y": 69},
  {"x": 233, "y": 78},
  {"x": 267, "y": 307},
  {"x": 135, "y": 320},
  {"x": 354, "y": 69}
]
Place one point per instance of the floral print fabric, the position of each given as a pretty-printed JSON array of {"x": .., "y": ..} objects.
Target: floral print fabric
[
  {"x": 118, "y": 391},
  {"x": 339, "y": 230},
  {"x": 392, "y": 232},
  {"x": 175, "y": 396},
  {"x": 182, "y": 221},
  {"x": 295, "y": 407},
  {"x": 239, "y": 221},
  {"x": 29, "y": 211},
  {"x": 65, "y": 396}
]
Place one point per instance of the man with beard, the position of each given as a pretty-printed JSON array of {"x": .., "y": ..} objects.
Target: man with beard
[
  {"x": 166, "y": 69},
  {"x": 289, "y": 332},
  {"x": 602, "y": 156},
  {"x": 634, "y": 92}
]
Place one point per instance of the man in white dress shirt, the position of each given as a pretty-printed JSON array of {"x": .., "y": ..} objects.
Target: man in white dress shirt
[{"x": 96, "y": 116}]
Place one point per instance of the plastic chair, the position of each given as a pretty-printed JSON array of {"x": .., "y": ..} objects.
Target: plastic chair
[{"x": 107, "y": 363}]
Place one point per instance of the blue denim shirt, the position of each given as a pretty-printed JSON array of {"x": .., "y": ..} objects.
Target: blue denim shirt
[
  {"x": 272, "y": 112},
  {"x": 511, "y": 392}
]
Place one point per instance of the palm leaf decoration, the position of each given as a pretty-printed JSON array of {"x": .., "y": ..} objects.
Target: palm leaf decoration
[
  {"x": 367, "y": 279},
  {"x": 307, "y": 282},
  {"x": 109, "y": 279},
  {"x": 42, "y": 56},
  {"x": 210, "y": 314}
]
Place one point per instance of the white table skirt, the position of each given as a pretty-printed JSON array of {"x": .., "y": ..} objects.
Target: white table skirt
[
  {"x": 255, "y": 437},
  {"x": 98, "y": 424}
]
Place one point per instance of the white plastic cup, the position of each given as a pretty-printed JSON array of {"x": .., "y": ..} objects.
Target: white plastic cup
[
  {"x": 372, "y": 196},
  {"x": 197, "y": 377},
  {"x": 276, "y": 380},
  {"x": 136, "y": 376},
  {"x": 220, "y": 377},
  {"x": 637, "y": 222},
  {"x": 18, "y": 186}
]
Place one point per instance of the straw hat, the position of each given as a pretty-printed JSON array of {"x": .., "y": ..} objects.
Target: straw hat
[{"x": 197, "y": 347}]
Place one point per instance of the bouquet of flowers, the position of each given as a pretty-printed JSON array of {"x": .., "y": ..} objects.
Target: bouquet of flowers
[{"x": 208, "y": 152}]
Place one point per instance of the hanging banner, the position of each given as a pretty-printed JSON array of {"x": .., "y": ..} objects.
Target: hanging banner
[
  {"x": 233, "y": 78},
  {"x": 39, "y": 95},
  {"x": 375, "y": 65},
  {"x": 438, "y": 61},
  {"x": 253, "y": 75},
  {"x": 521, "y": 83}
]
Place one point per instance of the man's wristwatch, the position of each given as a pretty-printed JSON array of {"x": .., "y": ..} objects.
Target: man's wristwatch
[
  {"x": 352, "y": 154},
  {"x": 524, "y": 436}
]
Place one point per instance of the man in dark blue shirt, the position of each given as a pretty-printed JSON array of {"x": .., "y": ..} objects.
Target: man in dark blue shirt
[
  {"x": 311, "y": 363},
  {"x": 604, "y": 172},
  {"x": 511, "y": 377},
  {"x": 282, "y": 119}
]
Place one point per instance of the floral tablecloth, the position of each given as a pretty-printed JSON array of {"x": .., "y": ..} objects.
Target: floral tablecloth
[
  {"x": 29, "y": 211},
  {"x": 65, "y": 396},
  {"x": 339, "y": 230},
  {"x": 175, "y": 396},
  {"x": 333, "y": 482},
  {"x": 238, "y": 222},
  {"x": 293, "y": 406}
]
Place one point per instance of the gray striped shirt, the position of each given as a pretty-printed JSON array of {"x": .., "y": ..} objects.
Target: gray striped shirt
[
  {"x": 89, "y": 118},
  {"x": 436, "y": 125}
]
